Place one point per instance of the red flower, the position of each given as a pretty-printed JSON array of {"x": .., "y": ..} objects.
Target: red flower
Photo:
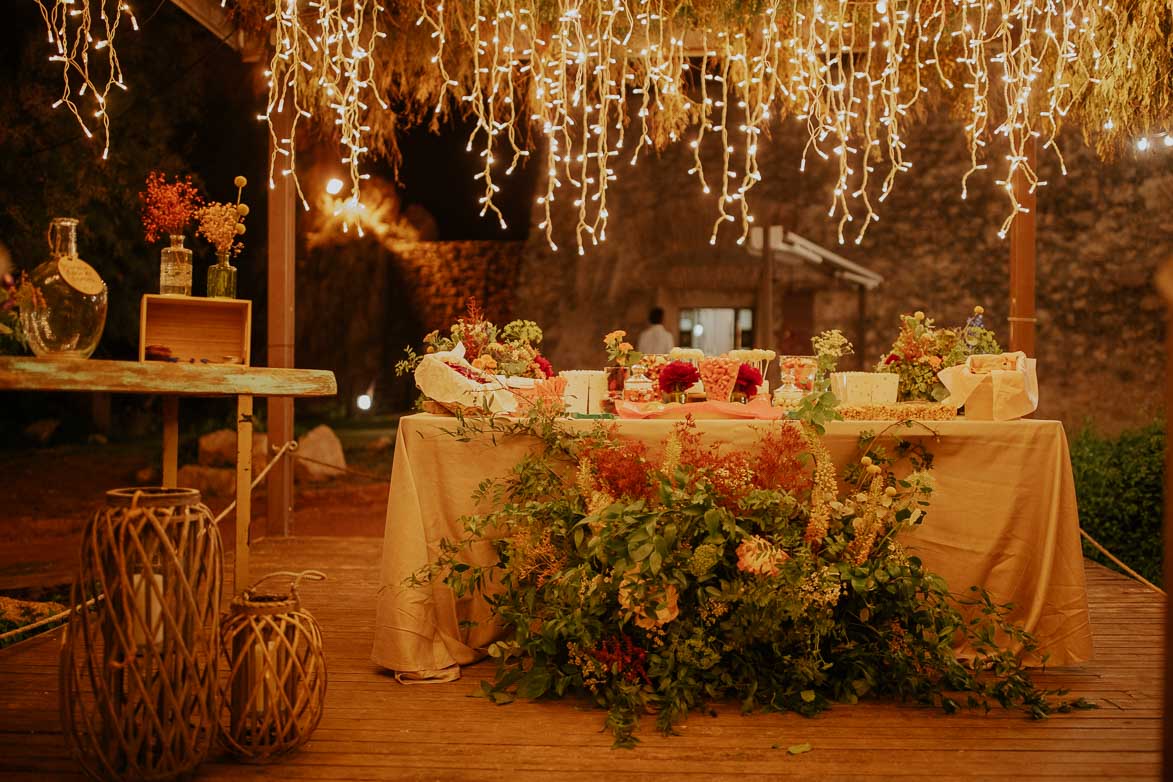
[
  {"x": 678, "y": 376},
  {"x": 891, "y": 359},
  {"x": 749, "y": 379},
  {"x": 546, "y": 367}
]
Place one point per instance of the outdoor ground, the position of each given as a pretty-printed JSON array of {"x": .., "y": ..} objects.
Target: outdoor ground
[
  {"x": 376, "y": 729},
  {"x": 50, "y": 493}
]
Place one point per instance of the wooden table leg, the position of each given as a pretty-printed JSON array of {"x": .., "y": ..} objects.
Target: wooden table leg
[
  {"x": 170, "y": 441},
  {"x": 244, "y": 480}
]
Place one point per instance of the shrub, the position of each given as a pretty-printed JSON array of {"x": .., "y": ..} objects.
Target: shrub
[{"x": 1119, "y": 483}]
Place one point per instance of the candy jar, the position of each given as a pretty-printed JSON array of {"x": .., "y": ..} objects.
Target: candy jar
[{"x": 68, "y": 311}]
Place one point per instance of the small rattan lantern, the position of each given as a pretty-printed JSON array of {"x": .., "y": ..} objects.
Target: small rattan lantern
[
  {"x": 138, "y": 687},
  {"x": 276, "y": 671}
]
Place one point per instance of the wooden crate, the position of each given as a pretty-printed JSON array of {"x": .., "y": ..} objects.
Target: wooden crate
[{"x": 195, "y": 330}]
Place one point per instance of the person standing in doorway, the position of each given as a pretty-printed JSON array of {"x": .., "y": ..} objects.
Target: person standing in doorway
[{"x": 655, "y": 339}]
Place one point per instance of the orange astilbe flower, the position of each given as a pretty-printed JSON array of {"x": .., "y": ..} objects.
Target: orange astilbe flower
[{"x": 168, "y": 207}]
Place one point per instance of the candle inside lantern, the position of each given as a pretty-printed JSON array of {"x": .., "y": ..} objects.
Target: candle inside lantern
[{"x": 148, "y": 603}]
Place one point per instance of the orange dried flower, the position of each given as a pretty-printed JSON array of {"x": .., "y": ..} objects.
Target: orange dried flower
[{"x": 168, "y": 207}]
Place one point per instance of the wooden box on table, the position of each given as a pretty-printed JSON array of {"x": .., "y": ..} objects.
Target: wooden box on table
[{"x": 192, "y": 330}]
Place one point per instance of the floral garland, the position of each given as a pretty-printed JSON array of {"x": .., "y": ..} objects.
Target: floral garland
[{"x": 658, "y": 579}]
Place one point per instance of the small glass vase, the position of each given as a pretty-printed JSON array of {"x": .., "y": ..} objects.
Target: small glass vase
[
  {"x": 222, "y": 278},
  {"x": 616, "y": 377},
  {"x": 175, "y": 268},
  {"x": 68, "y": 312}
]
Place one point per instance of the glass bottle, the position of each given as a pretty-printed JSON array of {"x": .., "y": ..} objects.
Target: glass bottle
[
  {"x": 68, "y": 313},
  {"x": 222, "y": 278},
  {"x": 175, "y": 268},
  {"x": 789, "y": 395},
  {"x": 638, "y": 386}
]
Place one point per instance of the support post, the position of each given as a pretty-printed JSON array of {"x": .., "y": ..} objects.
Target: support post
[
  {"x": 244, "y": 489},
  {"x": 282, "y": 247},
  {"x": 1023, "y": 249},
  {"x": 861, "y": 339}
]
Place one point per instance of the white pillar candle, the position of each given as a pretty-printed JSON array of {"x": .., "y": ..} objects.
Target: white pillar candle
[{"x": 148, "y": 602}]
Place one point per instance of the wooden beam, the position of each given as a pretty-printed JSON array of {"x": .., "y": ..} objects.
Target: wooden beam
[
  {"x": 1023, "y": 253},
  {"x": 24, "y": 373},
  {"x": 281, "y": 332},
  {"x": 170, "y": 441}
]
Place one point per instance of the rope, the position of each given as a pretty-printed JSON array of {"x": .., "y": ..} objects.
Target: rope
[
  {"x": 48, "y": 619},
  {"x": 1099, "y": 547},
  {"x": 288, "y": 448},
  {"x": 350, "y": 470}
]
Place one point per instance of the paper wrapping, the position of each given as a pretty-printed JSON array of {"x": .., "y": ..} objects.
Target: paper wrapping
[
  {"x": 441, "y": 383},
  {"x": 865, "y": 388},
  {"x": 997, "y": 394},
  {"x": 585, "y": 390}
]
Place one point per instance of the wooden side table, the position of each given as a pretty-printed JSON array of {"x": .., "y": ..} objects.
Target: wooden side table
[{"x": 172, "y": 381}]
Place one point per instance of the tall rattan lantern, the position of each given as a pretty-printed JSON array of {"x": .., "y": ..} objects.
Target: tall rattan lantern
[
  {"x": 138, "y": 683},
  {"x": 276, "y": 671}
]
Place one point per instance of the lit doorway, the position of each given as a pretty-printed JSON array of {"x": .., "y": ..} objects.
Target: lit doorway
[{"x": 716, "y": 330}]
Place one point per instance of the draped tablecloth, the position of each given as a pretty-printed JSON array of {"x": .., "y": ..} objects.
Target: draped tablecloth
[{"x": 1003, "y": 516}]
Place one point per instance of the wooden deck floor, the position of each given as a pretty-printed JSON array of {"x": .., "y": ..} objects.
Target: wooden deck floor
[{"x": 377, "y": 729}]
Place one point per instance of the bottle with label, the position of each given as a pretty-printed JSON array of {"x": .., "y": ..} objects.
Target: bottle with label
[
  {"x": 68, "y": 312},
  {"x": 175, "y": 268}
]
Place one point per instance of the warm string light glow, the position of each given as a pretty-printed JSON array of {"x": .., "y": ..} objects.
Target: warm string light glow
[
  {"x": 850, "y": 70},
  {"x": 331, "y": 45},
  {"x": 82, "y": 34}
]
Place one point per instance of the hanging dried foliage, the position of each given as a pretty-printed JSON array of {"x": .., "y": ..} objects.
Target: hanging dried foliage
[{"x": 603, "y": 81}]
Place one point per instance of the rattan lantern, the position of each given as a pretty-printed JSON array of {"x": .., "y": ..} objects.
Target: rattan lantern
[
  {"x": 276, "y": 671},
  {"x": 138, "y": 688}
]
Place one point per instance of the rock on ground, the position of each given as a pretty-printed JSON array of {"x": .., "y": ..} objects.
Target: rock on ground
[
  {"x": 208, "y": 481},
  {"x": 218, "y": 449},
  {"x": 321, "y": 445}
]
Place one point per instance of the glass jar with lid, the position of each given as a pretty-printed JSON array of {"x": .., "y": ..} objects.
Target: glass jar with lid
[{"x": 638, "y": 386}]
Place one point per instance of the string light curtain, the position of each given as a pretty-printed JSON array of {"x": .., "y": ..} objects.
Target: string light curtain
[
  {"x": 82, "y": 37},
  {"x": 600, "y": 72},
  {"x": 591, "y": 85}
]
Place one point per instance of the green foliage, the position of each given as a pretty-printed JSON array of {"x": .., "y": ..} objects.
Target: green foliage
[
  {"x": 656, "y": 585},
  {"x": 1119, "y": 485}
]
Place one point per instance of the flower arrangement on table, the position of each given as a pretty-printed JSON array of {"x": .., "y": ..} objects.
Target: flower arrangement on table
[
  {"x": 620, "y": 352},
  {"x": 222, "y": 224},
  {"x": 658, "y": 580},
  {"x": 749, "y": 380},
  {"x": 922, "y": 349},
  {"x": 675, "y": 378},
  {"x": 513, "y": 351}
]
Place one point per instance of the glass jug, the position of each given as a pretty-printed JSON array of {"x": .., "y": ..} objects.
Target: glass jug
[{"x": 68, "y": 312}]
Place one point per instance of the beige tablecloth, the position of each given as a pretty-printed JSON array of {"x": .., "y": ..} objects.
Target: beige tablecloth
[{"x": 1003, "y": 516}]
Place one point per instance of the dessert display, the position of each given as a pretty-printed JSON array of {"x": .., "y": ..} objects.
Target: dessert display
[
  {"x": 719, "y": 376},
  {"x": 865, "y": 388}
]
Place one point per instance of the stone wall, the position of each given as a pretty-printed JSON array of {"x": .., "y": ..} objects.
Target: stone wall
[{"x": 1102, "y": 231}]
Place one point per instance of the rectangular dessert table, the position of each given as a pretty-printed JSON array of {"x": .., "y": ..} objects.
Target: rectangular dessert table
[
  {"x": 1003, "y": 516},
  {"x": 173, "y": 381}
]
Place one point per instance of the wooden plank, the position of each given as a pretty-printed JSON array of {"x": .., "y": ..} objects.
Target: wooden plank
[
  {"x": 19, "y": 373},
  {"x": 1164, "y": 281}
]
